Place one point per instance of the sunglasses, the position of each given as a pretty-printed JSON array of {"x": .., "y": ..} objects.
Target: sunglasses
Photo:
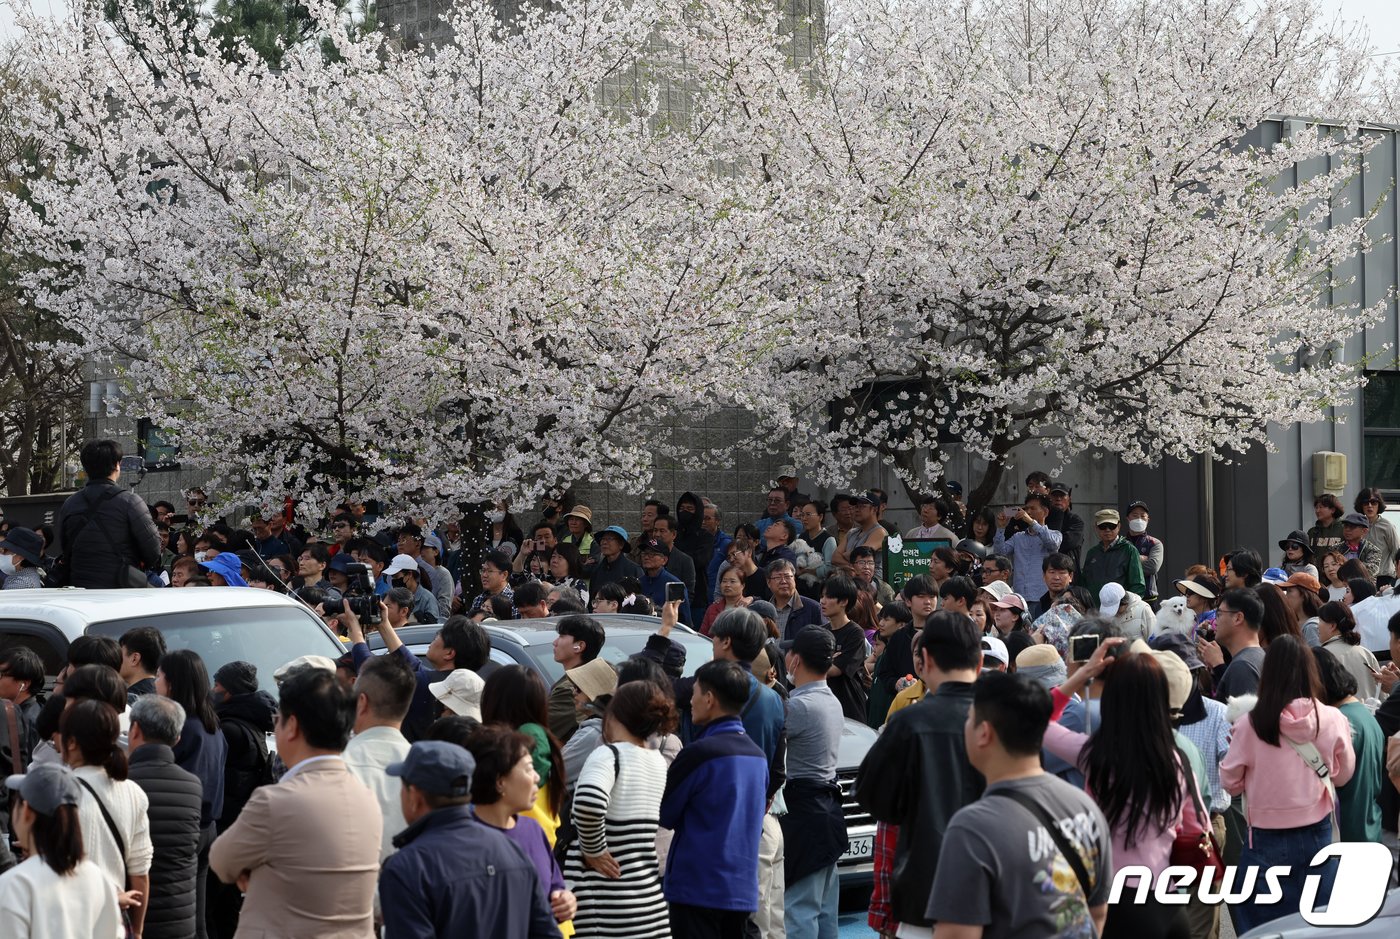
[{"x": 1107, "y": 527}]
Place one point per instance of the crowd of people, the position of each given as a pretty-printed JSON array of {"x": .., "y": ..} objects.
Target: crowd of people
[{"x": 1049, "y": 716}]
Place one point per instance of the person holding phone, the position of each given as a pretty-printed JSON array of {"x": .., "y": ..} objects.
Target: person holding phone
[
  {"x": 659, "y": 584},
  {"x": 1028, "y": 548}
]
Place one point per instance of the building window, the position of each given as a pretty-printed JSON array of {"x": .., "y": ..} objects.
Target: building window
[
  {"x": 1380, "y": 429},
  {"x": 152, "y": 445}
]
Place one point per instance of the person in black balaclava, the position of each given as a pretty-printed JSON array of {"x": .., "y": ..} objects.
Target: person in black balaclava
[{"x": 699, "y": 544}]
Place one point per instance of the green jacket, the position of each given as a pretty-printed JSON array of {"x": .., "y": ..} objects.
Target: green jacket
[
  {"x": 1359, "y": 812},
  {"x": 1120, "y": 562}
]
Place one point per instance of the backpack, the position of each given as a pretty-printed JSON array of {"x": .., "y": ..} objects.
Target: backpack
[{"x": 60, "y": 574}]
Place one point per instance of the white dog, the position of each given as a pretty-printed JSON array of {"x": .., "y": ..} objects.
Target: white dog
[{"x": 1174, "y": 617}]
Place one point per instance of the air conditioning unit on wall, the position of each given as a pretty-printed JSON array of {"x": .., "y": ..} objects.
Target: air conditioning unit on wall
[{"x": 1329, "y": 471}]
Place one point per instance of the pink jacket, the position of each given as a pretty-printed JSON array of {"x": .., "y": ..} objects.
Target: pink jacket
[{"x": 1281, "y": 791}]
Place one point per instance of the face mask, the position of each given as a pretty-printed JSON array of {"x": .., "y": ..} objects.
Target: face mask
[
  {"x": 201, "y": 556},
  {"x": 791, "y": 678},
  {"x": 7, "y": 565},
  {"x": 496, "y": 518},
  {"x": 1137, "y": 525}
]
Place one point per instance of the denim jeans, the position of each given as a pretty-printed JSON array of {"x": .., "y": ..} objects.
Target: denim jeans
[
  {"x": 1293, "y": 848},
  {"x": 810, "y": 905}
]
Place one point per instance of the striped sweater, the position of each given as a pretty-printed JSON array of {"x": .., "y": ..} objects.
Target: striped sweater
[{"x": 617, "y": 803}]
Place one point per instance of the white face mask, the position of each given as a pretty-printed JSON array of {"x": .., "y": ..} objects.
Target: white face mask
[
  {"x": 201, "y": 556},
  {"x": 496, "y": 517},
  {"x": 7, "y": 564},
  {"x": 1137, "y": 525}
]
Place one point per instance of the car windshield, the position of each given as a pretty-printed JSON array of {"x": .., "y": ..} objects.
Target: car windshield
[
  {"x": 619, "y": 646},
  {"x": 268, "y": 637}
]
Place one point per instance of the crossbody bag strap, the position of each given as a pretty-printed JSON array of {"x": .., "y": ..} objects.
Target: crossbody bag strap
[
  {"x": 1197, "y": 802},
  {"x": 1076, "y": 863},
  {"x": 107, "y": 817},
  {"x": 12, "y": 719},
  {"x": 1313, "y": 757}
]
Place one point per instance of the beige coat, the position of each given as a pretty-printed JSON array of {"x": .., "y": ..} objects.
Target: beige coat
[{"x": 311, "y": 845}]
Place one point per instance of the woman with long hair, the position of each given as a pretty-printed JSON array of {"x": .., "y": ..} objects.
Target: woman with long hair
[
  {"x": 1336, "y": 631},
  {"x": 1136, "y": 774},
  {"x": 1288, "y": 807},
  {"x": 504, "y": 785},
  {"x": 1279, "y": 619},
  {"x": 87, "y": 733},
  {"x": 517, "y": 697},
  {"x": 731, "y": 594},
  {"x": 617, "y": 809},
  {"x": 983, "y": 526},
  {"x": 55, "y": 891},
  {"x": 202, "y": 749}
]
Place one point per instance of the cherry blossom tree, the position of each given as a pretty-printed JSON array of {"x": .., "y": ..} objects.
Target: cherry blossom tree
[
  {"x": 1062, "y": 218},
  {"x": 436, "y": 278}
]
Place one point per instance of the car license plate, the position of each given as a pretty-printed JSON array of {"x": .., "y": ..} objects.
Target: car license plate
[{"x": 859, "y": 847}]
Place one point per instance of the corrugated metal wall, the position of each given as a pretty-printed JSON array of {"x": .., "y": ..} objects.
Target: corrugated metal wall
[{"x": 1263, "y": 496}]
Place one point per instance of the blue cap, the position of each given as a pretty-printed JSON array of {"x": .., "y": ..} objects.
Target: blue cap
[
  {"x": 616, "y": 530},
  {"x": 1275, "y": 575},
  {"x": 227, "y": 565},
  {"x": 437, "y": 767},
  {"x": 341, "y": 561}
]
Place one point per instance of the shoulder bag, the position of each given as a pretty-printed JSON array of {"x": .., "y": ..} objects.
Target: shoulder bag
[
  {"x": 1196, "y": 851},
  {"x": 121, "y": 845},
  {"x": 1310, "y": 755}
]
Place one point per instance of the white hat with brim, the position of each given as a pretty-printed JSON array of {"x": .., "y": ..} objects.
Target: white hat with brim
[
  {"x": 998, "y": 589},
  {"x": 401, "y": 563},
  {"x": 1111, "y": 598},
  {"x": 460, "y": 692}
]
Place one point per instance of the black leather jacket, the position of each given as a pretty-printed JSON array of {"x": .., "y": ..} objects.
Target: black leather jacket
[{"x": 917, "y": 776}]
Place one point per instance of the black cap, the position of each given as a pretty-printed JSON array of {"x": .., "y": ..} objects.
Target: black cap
[
  {"x": 1139, "y": 504},
  {"x": 655, "y": 546},
  {"x": 814, "y": 645},
  {"x": 1060, "y": 485}
]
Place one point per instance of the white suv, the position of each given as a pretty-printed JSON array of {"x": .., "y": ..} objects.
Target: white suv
[{"x": 222, "y": 624}]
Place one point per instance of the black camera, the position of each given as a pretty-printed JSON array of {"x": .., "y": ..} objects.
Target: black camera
[{"x": 359, "y": 597}]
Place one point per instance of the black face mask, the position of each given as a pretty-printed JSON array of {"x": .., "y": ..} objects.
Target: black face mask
[
  {"x": 685, "y": 519},
  {"x": 550, "y": 511}
]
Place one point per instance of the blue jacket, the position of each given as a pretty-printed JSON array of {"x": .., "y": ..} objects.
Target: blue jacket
[
  {"x": 809, "y": 615},
  {"x": 764, "y": 717},
  {"x": 655, "y": 589},
  {"x": 715, "y": 799},
  {"x": 454, "y": 877},
  {"x": 204, "y": 754},
  {"x": 722, "y": 543}
]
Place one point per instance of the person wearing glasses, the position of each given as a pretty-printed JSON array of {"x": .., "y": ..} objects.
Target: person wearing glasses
[
  {"x": 1113, "y": 560},
  {"x": 1237, "y": 622},
  {"x": 1382, "y": 534}
]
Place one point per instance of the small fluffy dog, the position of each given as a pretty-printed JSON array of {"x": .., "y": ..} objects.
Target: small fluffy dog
[{"x": 1174, "y": 617}]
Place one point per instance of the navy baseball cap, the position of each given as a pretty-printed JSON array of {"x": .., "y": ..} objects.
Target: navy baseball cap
[{"x": 437, "y": 767}]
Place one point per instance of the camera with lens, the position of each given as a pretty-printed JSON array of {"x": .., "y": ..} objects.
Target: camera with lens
[{"x": 359, "y": 597}]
